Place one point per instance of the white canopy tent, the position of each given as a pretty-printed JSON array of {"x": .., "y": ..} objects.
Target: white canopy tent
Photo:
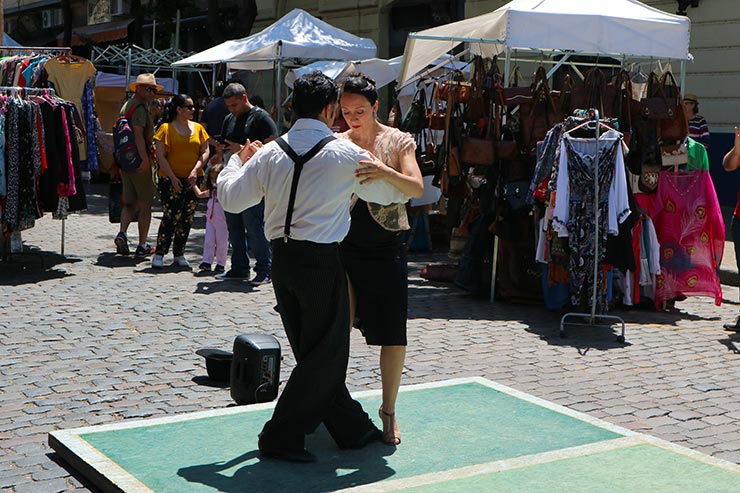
[
  {"x": 626, "y": 28},
  {"x": 382, "y": 71},
  {"x": 297, "y": 35}
]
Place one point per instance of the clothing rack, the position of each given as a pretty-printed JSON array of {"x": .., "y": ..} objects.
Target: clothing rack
[
  {"x": 22, "y": 91},
  {"x": 593, "y": 316}
]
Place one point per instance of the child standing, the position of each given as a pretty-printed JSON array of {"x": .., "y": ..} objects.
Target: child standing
[{"x": 217, "y": 236}]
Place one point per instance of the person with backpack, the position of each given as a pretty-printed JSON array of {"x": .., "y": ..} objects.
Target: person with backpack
[{"x": 134, "y": 164}]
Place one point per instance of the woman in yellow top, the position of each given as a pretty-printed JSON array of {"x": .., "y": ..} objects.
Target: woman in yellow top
[{"x": 182, "y": 151}]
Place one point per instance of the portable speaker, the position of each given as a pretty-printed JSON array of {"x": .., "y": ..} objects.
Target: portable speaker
[{"x": 255, "y": 368}]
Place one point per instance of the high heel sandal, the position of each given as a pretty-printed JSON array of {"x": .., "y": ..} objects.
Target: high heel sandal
[{"x": 389, "y": 437}]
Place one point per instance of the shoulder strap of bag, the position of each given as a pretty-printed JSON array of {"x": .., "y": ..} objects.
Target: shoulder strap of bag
[{"x": 299, "y": 161}]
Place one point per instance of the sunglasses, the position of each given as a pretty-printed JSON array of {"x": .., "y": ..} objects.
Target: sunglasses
[
  {"x": 150, "y": 89},
  {"x": 188, "y": 106}
]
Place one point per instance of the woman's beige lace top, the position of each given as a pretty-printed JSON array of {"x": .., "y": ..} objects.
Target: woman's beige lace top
[{"x": 389, "y": 145}]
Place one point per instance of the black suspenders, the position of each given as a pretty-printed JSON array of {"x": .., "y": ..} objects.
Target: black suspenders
[{"x": 299, "y": 162}]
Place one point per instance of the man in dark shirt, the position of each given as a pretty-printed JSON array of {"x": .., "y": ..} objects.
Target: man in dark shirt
[
  {"x": 246, "y": 123},
  {"x": 215, "y": 112}
]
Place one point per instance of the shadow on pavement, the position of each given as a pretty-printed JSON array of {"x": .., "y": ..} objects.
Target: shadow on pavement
[
  {"x": 731, "y": 342},
  {"x": 218, "y": 286},
  {"x": 33, "y": 266},
  {"x": 110, "y": 259},
  {"x": 205, "y": 381}
]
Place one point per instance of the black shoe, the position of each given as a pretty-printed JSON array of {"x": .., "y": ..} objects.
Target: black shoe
[
  {"x": 219, "y": 269},
  {"x": 372, "y": 435},
  {"x": 204, "y": 267},
  {"x": 289, "y": 455},
  {"x": 735, "y": 327}
]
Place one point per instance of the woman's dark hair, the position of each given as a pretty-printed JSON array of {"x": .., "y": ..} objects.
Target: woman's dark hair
[
  {"x": 257, "y": 101},
  {"x": 170, "y": 110},
  {"x": 362, "y": 85},
  {"x": 311, "y": 93}
]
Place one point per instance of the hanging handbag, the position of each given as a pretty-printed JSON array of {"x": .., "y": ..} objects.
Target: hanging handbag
[
  {"x": 541, "y": 114},
  {"x": 515, "y": 95},
  {"x": 674, "y": 128},
  {"x": 455, "y": 88},
  {"x": 427, "y": 155},
  {"x": 479, "y": 151},
  {"x": 415, "y": 118},
  {"x": 657, "y": 105},
  {"x": 477, "y": 108},
  {"x": 436, "y": 114},
  {"x": 649, "y": 176}
]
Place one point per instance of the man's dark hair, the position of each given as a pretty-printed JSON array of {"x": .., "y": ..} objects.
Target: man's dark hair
[
  {"x": 311, "y": 93},
  {"x": 234, "y": 89}
]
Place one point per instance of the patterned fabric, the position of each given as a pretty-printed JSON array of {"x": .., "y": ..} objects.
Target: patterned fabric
[
  {"x": 547, "y": 157},
  {"x": 88, "y": 114},
  {"x": 691, "y": 233},
  {"x": 581, "y": 225},
  {"x": 699, "y": 130},
  {"x": 3, "y": 181},
  {"x": 178, "y": 210},
  {"x": 389, "y": 145}
]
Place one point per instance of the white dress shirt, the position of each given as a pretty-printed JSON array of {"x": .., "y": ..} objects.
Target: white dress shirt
[{"x": 327, "y": 182}]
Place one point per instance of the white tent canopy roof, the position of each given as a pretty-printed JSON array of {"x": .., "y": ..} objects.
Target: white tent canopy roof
[
  {"x": 382, "y": 71},
  {"x": 297, "y": 35},
  {"x": 616, "y": 27}
]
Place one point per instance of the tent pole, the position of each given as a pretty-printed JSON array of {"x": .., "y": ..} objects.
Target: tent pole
[
  {"x": 128, "y": 67},
  {"x": 494, "y": 262},
  {"x": 683, "y": 77},
  {"x": 278, "y": 79}
]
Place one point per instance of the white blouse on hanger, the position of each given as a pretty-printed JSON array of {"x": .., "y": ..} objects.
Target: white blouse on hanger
[{"x": 618, "y": 199}]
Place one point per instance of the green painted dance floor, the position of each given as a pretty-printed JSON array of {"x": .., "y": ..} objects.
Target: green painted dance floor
[{"x": 458, "y": 436}]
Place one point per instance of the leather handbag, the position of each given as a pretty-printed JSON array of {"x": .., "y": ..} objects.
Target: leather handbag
[
  {"x": 456, "y": 87},
  {"x": 515, "y": 95},
  {"x": 657, "y": 105},
  {"x": 649, "y": 176},
  {"x": 436, "y": 114},
  {"x": 479, "y": 150},
  {"x": 415, "y": 118},
  {"x": 541, "y": 114},
  {"x": 676, "y": 127},
  {"x": 427, "y": 155}
]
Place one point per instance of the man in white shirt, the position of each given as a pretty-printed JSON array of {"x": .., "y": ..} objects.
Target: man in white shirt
[{"x": 309, "y": 281}]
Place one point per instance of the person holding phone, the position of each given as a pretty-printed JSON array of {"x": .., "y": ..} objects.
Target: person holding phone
[{"x": 246, "y": 123}]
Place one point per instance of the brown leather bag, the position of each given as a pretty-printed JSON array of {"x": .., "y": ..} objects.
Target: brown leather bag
[
  {"x": 456, "y": 88},
  {"x": 436, "y": 114},
  {"x": 675, "y": 128},
  {"x": 541, "y": 114},
  {"x": 515, "y": 95}
]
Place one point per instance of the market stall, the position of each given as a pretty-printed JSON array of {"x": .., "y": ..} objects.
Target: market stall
[{"x": 554, "y": 33}]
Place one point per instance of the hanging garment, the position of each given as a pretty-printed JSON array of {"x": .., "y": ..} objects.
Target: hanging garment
[
  {"x": 691, "y": 233},
  {"x": 574, "y": 207}
]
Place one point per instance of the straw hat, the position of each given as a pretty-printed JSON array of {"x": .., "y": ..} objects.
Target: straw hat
[
  {"x": 689, "y": 96},
  {"x": 144, "y": 80}
]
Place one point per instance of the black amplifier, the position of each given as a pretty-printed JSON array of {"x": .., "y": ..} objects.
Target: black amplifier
[{"x": 255, "y": 368}]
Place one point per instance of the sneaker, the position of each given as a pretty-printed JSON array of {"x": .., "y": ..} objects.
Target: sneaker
[
  {"x": 144, "y": 250},
  {"x": 121, "y": 243},
  {"x": 157, "y": 261},
  {"x": 204, "y": 267},
  {"x": 219, "y": 269},
  {"x": 233, "y": 275},
  {"x": 181, "y": 261},
  {"x": 260, "y": 279}
]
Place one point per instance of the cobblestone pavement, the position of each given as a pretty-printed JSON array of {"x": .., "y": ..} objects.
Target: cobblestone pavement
[{"x": 95, "y": 338}]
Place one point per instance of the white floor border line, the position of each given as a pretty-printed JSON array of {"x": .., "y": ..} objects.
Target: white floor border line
[{"x": 497, "y": 466}]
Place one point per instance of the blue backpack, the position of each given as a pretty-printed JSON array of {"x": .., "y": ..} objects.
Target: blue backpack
[{"x": 125, "y": 151}]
